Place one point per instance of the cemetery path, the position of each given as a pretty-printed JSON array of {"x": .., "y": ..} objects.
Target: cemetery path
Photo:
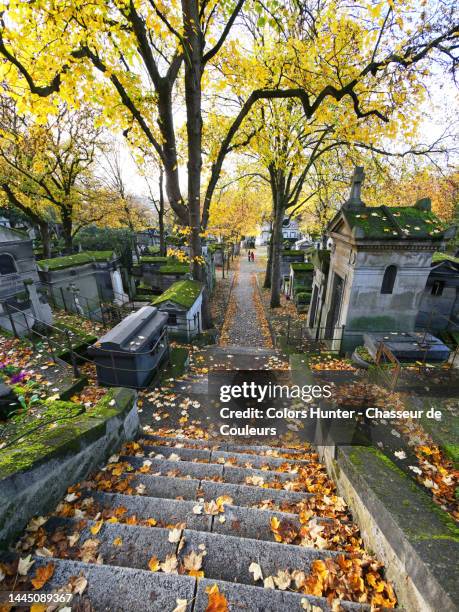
[{"x": 245, "y": 322}]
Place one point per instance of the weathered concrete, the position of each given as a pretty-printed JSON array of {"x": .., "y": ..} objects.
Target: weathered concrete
[
  {"x": 415, "y": 539},
  {"x": 246, "y": 495},
  {"x": 256, "y": 599},
  {"x": 185, "y": 454},
  {"x": 69, "y": 459},
  {"x": 166, "y": 511},
  {"x": 256, "y": 461},
  {"x": 119, "y": 589},
  {"x": 182, "y": 468},
  {"x": 169, "y": 488},
  {"x": 229, "y": 557}
]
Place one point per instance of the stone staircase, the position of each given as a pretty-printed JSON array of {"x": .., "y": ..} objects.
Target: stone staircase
[{"x": 194, "y": 497}]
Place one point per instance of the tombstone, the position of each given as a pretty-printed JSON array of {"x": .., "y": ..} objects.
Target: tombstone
[
  {"x": 289, "y": 256},
  {"x": 82, "y": 282},
  {"x": 379, "y": 265},
  {"x": 160, "y": 273},
  {"x": 182, "y": 303},
  {"x": 149, "y": 237},
  {"x": 22, "y": 300},
  {"x": 131, "y": 353},
  {"x": 408, "y": 346},
  {"x": 300, "y": 284}
]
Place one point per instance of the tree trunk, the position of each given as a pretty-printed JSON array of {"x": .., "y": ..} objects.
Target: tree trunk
[
  {"x": 162, "y": 237},
  {"x": 169, "y": 148},
  {"x": 193, "y": 95},
  {"x": 269, "y": 263},
  {"x": 67, "y": 231},
  {"x": 45, "y": 239},
  {"x": 276, "y": 237}
]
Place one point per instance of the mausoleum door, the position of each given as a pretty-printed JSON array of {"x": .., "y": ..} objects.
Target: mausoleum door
[{"x": 335, "y": 308}]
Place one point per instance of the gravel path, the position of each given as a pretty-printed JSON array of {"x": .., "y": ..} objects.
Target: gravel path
[{"x": 244, "y": 326}]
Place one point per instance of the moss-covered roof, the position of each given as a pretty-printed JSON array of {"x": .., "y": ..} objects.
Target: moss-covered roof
[
  {"x": 395, "y": 222},
  {"x": 174, "y": 268},
  {"x": 438, "y": 257},
  {"x": 183, "y": 292},
  {"x": 302, "y": 267},
  {"x": 79, "y": 259},
  {"x": 292, "y": 252},
  {"x": 155, "y": 259}
]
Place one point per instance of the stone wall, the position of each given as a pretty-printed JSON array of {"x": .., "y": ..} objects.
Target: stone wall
[{"x": 69, "y": 454}]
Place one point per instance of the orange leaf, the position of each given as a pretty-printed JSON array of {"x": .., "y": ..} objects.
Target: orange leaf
[
  {"x": 42, "y": 575},
  {"x": 217, "y": 601},
  {"x": 153, "y": 564}
]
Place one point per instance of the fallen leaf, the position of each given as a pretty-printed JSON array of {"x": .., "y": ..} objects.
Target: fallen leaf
[
  {"x": 24, "y": 565},
  {"x": 217, "y": 602},
  {"x": 255, "y": 569},
  {"x": 169, "y": 566},
  {"x": 153, "y": 564},
  {"x": 42, "y": 575},
  {"x": 117, "y": 541},
  {"x": 174, "y": 535},
  {"x": 181, "y": 605},
  {"x": 96, "y": 528}
]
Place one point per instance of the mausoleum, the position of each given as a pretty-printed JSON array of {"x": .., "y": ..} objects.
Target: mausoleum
[
  {"x": 183, "y": 304},
  {"x": 21, "y": 300},
  {"x": 380, "y": 261},
  {"x": 83, "y": 281}
]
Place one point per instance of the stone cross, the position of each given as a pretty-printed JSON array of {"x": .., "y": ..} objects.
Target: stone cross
[{"x": 355, "y": 198}]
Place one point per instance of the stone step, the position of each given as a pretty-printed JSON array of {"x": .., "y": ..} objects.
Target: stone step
[
  {"x": 122, "y": 589},
  {"x": 209, "y": 471},
  {"x": 228, "y": 557},
  {"x": 193, "y": 488},
  {"x": 256, "y": 599},
  {"x": 118, "y": 589},
  {"x": 235, "y": 520},
  {"x": 215, "y": 445},
  {"x": 202, "y": 455}
]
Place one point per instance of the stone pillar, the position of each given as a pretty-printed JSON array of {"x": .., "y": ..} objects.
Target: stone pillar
[{"x": 117, "y": 285}]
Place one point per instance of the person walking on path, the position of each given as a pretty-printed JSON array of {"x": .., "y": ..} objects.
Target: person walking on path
[
  {"x": 253, "y": 256},
  {"x": 249, "y": 256}
]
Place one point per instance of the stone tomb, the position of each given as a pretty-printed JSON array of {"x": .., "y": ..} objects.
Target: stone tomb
[
  {"x": 439, "y": 307},
  {"x": 22, "y": 301},
  {"x": 182, "y": 303},
  {"x": 379, "y": 265},
  {"x": 408, "y": 346},
  {"x": 131, "y": 353},
  {"x": 81, "y": 282}
]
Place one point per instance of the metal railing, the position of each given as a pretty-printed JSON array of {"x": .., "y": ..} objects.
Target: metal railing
[
  {"x": 297, "y": 333},
  {"x": 95, "y": 309}
]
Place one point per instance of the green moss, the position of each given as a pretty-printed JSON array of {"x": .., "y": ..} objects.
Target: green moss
[
  {"x": 394, "y": 222},
  {"x": 177, "y": 268},
  {"x": 156, "y": 259},
  {"x": 183, "y": 292},
  {"x": 79, "y": 259},
  {"x": 302, "y": 267},
  {"x": 438, "y": 257},
  {"x": 292, "y": 253},
  {"x": 64, "y": 435}
]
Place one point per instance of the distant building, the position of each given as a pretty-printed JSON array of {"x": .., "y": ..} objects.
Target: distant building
[{"x": 290, "y": 231}]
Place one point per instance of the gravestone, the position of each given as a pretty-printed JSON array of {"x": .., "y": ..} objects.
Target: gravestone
[{"x": 408, "y": 346}]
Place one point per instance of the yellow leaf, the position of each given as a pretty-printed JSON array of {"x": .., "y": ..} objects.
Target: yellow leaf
[
  {"x": 96, "y": 528},
  {"x": 153, "y": 564}
]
